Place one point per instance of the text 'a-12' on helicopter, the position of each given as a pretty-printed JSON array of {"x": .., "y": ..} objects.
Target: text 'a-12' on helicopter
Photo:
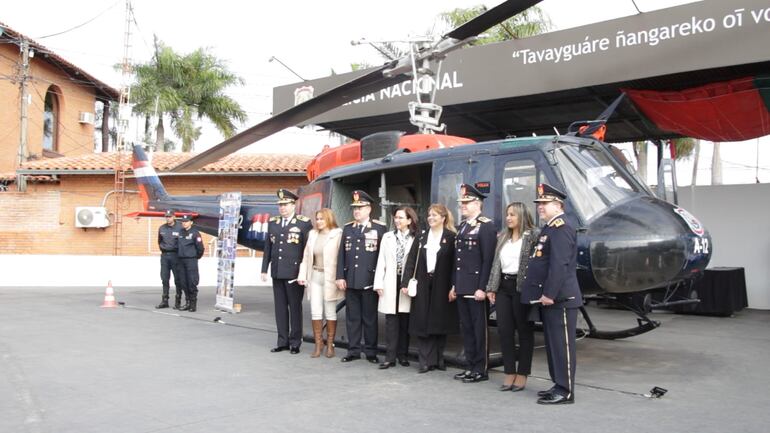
[{"x": 629, "y": 241}]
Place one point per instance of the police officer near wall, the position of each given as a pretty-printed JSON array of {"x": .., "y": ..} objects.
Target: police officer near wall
[
  {"x": 474, "y": 254},
  {"x": 168, "y": 237},
  {"x": 190, "y": 250},
  {"x": 284, "y": 246},
  {"x": 356, "y": 263},
  {"x": 551, "y": 281}
]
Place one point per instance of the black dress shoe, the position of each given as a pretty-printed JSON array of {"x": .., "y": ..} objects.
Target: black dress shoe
[
  {"x": 425, "y": 369},
  {"x": 476, "y": 377},
  {"x": 556, "y": 399},
  {"x": 545, "y": 393},
  {"x": 279, "y": 349},
  {"x": 505, "y": 387},
  {"x": 463, "y": 375},
  {"x": 374, "y": 360},
  {"x": 294, "y": 350},
  {"x": 441, "y": 367},
  {"x": 350, "y": 358},
  {"x": 403, "y": 363},
  {"x": 387, "y": 365}
]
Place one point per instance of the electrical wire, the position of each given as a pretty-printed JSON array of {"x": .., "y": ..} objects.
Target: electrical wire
[{"x": 79, "y": 25}]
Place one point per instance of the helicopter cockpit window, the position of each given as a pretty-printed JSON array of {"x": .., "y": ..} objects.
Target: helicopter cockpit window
[
  {"x": 592, "y": 181},
  {"x": 520, "y": 179},
  {"x": 448, "y": 190}
]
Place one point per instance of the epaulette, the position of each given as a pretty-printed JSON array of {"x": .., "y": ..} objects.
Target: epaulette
[
  {"x": 484, "y": 219},
  {"x": 558, "y": 222},
  {"x": 276, "y": 219},
  {"x": 303, "y": 218},
  {"x": 379, "y": 222},
  {"x": 350, "y": 223}
]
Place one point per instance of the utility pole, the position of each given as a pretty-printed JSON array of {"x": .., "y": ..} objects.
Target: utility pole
[{"x": 21, "y": 181}]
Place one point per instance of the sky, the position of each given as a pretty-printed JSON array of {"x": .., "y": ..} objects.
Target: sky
[{"x": 312, "y": 38}]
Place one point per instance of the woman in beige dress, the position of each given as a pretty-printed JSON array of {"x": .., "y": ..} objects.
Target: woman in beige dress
[{"x": 317, "y": 273}]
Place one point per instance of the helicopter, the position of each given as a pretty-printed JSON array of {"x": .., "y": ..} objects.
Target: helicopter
[{"x": 630, "y": 243}]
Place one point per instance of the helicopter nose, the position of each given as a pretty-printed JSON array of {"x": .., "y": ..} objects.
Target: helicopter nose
[{"x": 646, "y": 243}]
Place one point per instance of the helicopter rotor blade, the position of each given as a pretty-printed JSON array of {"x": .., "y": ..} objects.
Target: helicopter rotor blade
[
  {"x": 387, "y": 75},
  {"x": 356, "y": 88},
  {"x": 490, "y": 18}
]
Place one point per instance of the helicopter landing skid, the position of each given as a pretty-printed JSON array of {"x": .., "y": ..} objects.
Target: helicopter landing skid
[{"x": 644, "y": 324}]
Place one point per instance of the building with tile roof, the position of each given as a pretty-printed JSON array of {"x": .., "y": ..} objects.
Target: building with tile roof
[
  {"x": 41, "y": 220},
  {"x": 61, "y": 103}
]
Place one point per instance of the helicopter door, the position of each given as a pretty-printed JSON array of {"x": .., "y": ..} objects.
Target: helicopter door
[
  {"x": 449, "y": 174},
  {"x": 519, "y": 174}
]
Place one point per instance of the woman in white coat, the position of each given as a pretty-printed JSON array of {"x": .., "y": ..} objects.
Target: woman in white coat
[
  {"x": 318, "y": 273},
  {"x": 395, "y": 302}
]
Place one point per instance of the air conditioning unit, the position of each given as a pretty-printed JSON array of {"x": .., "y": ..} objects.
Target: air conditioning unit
[
  {"x": 91, "y": 217},
  {"x": 86, "y": 117}
]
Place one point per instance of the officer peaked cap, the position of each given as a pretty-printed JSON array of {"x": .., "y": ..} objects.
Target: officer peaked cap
[
  {"x": 185, "y": 218},
  {"x": 469, "y": 193},
  {"x": 361, "y": 198},
  {"x": 546, "y": 193},
  {"x": 285, "y": 196}
]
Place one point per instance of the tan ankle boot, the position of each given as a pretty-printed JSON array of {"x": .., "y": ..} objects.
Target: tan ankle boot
[
  {"x": 319, "y": 343},
  {"x": 331, "y": 330}
]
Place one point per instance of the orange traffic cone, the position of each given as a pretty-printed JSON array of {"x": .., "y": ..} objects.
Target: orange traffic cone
[{"x": 109, "y": 297}]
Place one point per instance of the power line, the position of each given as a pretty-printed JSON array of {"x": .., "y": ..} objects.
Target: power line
[{"x": 79, "y": 25}]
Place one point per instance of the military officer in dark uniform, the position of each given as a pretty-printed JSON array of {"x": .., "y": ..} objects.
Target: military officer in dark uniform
[
  {"x": 285, "y": 243},
  {"x": 551, "y": 281},
  {"x": 190, "y": 251},
  {"x": 356, "y": 263},
  {"x": 168, "y": 236},
  {"x": 475, "y": 250}
]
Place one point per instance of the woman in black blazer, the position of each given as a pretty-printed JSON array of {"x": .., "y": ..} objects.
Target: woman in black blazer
[
  {"x": 504, "y": 289},
  {"x": 432, "y": 315}
]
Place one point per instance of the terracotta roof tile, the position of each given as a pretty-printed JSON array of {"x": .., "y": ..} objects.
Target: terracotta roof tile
[
  {"x": 165, "y": 161},
  {"x": 10, "y": 177}
]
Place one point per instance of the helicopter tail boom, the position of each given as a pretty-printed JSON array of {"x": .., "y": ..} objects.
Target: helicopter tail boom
[{"x": 150, "y": 186}]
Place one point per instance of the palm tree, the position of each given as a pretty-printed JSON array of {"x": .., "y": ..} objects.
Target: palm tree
[
  {"x": 186, "y": 88},
  {"x": 531, "y": 22},
  {"x": 684, "y": 147}
]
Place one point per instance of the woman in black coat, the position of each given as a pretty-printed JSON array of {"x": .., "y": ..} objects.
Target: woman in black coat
[{"x": 432, "y": 315}]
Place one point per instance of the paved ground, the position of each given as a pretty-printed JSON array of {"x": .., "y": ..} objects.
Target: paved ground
[{"x": 68, "y": 366}]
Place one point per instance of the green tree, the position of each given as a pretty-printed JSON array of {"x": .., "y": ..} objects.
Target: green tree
[
  {"x": 531, "y": 22},
  {"x": 683, "y": 148},
  {"x": 186, "y": 88}
]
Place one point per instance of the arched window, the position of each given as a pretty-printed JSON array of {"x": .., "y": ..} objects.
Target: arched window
[{"x": 51, "y": 120}]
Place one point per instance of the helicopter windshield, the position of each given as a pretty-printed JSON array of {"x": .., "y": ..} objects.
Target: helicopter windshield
[{"x": 593, "y": 182}]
